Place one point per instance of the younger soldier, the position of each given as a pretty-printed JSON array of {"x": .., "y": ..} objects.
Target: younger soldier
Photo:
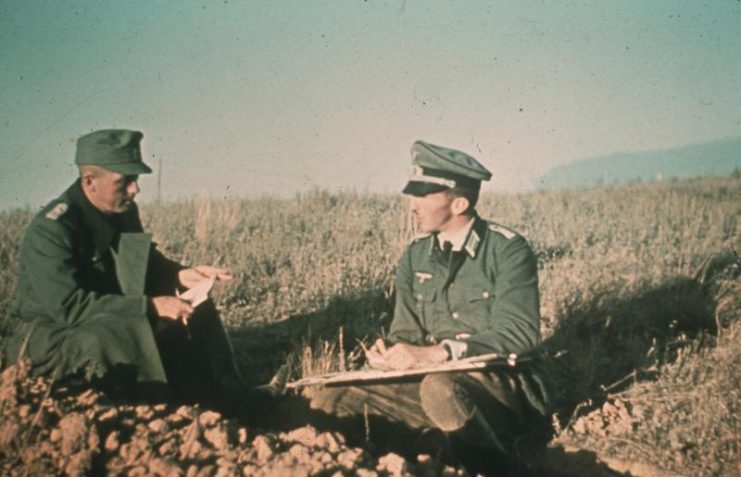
[
  {"x": 95, "y": 297},
  {"x": 465, "y": 287}
]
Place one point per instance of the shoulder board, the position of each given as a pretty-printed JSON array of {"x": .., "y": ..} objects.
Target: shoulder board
[
  {"x": 507, "y": 233},
  {"x": 419, "y": 237},
  {"x": 57, "y": 211}
]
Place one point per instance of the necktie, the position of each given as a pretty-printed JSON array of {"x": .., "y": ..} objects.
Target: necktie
[{"x": 447, "y": 247}]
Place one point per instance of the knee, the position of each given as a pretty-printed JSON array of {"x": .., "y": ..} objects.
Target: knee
[{"x": 444, "y": 402}]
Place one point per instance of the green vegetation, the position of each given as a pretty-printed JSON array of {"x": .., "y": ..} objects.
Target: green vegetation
[{"x": 643, "y": 329}]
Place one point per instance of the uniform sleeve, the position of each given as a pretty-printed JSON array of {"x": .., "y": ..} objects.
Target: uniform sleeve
[
  {"x": 405, "y": 326},
  {"x": 162, "y": 274},
  {"x": 514, "y": 321},
  {"x": 48, "y": 259}
]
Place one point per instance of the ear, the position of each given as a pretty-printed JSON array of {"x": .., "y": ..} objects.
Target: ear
[
  {"x": 459, "y": 205},
  {"x": 88, "y": 181}
]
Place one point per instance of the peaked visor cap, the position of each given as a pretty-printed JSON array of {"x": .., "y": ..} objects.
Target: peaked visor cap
[
  {"x": 116, "y": 150},
  {"x": 437, "y": 168}
]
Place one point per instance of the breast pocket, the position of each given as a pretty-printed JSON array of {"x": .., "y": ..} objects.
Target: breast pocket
[
  {"x": 475, "y": 307},
  {"x": 423, "y": 293}
]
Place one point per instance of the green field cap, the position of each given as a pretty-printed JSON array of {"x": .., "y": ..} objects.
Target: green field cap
[
  {"x": 436, "y": 168},
  {"x": 116, "y": 150}
]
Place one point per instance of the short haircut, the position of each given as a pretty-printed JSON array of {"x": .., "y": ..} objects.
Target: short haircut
[
  {"x": 91, "y": 170},
  {"x": 469, "y": 193}
]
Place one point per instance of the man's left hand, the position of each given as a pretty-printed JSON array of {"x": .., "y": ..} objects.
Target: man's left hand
[{"x": 191, "y": 277}]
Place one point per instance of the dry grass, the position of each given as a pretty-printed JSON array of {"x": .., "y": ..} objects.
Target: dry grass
[{"x": 620, "y": 297}]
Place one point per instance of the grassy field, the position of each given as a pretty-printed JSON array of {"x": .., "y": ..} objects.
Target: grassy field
[{"x": 645, "y": 345}]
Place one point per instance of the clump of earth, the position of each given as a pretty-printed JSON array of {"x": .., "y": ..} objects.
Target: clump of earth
[{"x": 53, "y": 430}]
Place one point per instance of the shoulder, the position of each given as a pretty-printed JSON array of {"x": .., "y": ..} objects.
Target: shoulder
[
  {"x": 505, "y": 240},
  {"x": 58, "y": 217},
  {"x": 420, "y": 237},
  {"x": 418, "y": 248},
  {"x": 420, "y": 241},
  {"x": 500, "y": 231}
]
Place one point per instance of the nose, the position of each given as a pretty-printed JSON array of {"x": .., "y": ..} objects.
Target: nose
[
  {"x": 413, "y": 203},
  {"x": 133, "y": 188}
]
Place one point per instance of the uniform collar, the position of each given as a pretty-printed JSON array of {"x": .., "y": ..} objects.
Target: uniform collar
[
  {"x": 478, "y": 228},
  {"x": 456, "y": 238},
  {"x": 475, "y": 230},
  {"x": 104, "y": 229}
]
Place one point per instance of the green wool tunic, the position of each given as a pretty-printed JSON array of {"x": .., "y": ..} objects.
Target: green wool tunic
[
  {"x": 485, "y": 295},
  {"x": 83, "y": 281}
]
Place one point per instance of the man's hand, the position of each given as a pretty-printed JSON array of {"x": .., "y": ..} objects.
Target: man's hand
[
  {"x": 404, "y": 356},
  {"x": 172, "y": 308},
  {"x": 191, "y": 277}
]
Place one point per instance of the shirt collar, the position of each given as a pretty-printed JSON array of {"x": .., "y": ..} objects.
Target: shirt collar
[{"x": 457, "y": 238}]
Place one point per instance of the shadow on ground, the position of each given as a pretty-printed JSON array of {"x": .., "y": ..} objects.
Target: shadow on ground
[
  {"x": 608, "y": 343},
  {"x": 261, "y": 349}
]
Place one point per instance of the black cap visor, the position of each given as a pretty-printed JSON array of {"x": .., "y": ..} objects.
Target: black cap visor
[
  {"x": 128, "y": 168},
  {"x": 421, "y": 189}
]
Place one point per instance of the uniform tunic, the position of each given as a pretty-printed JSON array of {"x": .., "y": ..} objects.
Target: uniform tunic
[
  {"x": 486, "y": 294},
  {"x": 81, "y": 303}
]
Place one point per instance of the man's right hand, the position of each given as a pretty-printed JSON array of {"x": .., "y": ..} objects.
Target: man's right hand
[
  {"x": 402, "y": 356},
  {"x": 173, "y": 308}
]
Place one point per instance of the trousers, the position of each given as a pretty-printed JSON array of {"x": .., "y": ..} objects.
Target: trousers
[{"x": 484, "y": 409}]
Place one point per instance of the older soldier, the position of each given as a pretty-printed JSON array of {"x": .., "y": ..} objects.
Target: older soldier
[
  {"x": 465, "y": 287},
  {"x": 95, "y": 297}
]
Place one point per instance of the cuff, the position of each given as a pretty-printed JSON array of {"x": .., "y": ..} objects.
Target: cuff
[{"x": 456, "y": 349}]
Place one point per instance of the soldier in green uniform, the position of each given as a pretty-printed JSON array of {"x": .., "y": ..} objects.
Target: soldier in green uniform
[
  {"x": 96, "y": 298},
  {"x": 464, "y": 287}
]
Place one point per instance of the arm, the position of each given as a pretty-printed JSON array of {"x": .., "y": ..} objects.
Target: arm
[
  {"x": 405, "y": 326},
  {"x": 409, "y": 350},
  {"x": 514, "y": 321},
  {"x": 49, "y": 261},
  {"x": 162, "y": 274}
]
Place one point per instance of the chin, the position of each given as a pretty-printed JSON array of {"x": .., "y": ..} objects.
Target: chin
[{"x": 123, "y": 208}]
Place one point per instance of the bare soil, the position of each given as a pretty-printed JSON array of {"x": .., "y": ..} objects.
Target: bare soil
[{"x": 54, "y": 430}]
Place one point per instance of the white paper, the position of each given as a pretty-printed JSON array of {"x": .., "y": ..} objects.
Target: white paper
[{"x": 199, "y": 293}]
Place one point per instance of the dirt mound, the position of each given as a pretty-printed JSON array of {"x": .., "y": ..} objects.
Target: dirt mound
[{"x": 52, "y": 430}]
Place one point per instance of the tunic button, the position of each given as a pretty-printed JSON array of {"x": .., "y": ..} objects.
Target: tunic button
[
  {"x": 455, "y": 315},
  {"x": 419, "y": 296},
  {"x": 485, "y": 294}
]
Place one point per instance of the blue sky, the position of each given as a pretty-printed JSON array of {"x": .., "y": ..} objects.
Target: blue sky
[{"x": 239, "y": 98}]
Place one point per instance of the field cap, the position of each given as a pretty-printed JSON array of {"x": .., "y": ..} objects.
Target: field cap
[
  {"x": 116, "y": 150},
  {"x": 436, "y": 168}
]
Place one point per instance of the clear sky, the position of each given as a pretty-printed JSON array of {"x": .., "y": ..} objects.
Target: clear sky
[{"x": 246, "y": 98}]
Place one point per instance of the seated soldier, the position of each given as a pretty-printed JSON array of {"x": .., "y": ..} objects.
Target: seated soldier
[
  {"x": 95, "y": 297},
  {"x": 464, "y": 287}
]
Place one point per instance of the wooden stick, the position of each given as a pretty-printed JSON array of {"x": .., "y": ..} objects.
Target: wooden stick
[{"x": 474, "y": 363}]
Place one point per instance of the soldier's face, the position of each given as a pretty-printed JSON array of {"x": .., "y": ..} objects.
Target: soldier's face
[
  {"x": 111, "y": 192},
  {"x": 433, "y": 212}
]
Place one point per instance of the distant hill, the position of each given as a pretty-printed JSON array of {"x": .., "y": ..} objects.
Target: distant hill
[{"x": 706, "y": 159}]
